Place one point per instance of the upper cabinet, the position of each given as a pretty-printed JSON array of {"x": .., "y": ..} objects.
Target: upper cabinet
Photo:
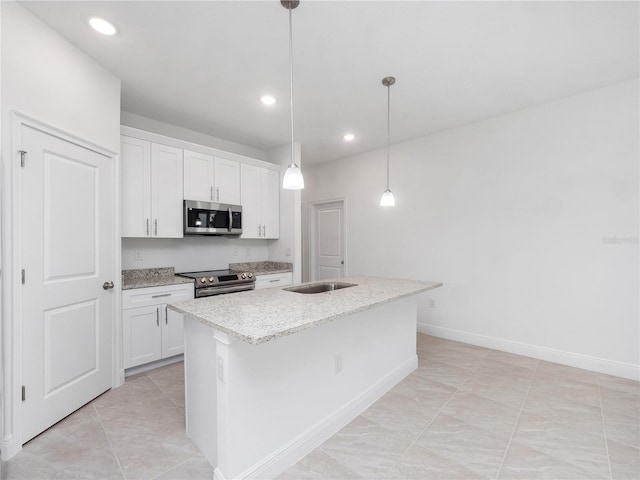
[
  {"x": 152, "y": 190},
  {"x": 210, "y": 179},
  {"x": 198, "y": 176},
  {"x": 260, "y": 194},
  {"x": 226, "y": 176}
]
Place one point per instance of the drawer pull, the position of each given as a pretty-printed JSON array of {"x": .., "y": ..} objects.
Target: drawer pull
[
  {"x": 161, "y": 295},
  {"x": 276, "y": 280}
]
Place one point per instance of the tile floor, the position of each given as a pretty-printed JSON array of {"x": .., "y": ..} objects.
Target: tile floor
[{"x": 466, "y": 413}]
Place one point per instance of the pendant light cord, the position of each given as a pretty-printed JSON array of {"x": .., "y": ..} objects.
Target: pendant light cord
[
  {"x": 293, "y": 162},
  {"x": 388, "y": 129}
]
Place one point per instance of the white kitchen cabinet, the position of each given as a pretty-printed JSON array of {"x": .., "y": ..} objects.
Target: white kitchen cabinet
[
  {"x": 198, "y": 176},
  {"x": 152, "y": 190},
  {"x": 226, "y": 179},
  {"x": 211, "y": 179},
  {"x": 149, "y": 330},
  {"x": 260, "y": 195},
  {"x": 274, "y": 280}
]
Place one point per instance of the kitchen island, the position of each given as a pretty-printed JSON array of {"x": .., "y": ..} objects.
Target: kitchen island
[{"x": 270, "y": 374}]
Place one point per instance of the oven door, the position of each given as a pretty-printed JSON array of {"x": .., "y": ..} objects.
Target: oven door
[{"x": 204, "y": 218}]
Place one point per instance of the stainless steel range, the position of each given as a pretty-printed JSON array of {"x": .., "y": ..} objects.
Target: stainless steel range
[{"x": 217, "y": 282}]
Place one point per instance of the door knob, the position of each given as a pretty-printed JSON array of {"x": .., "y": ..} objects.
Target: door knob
[{"x": 107, "y": 285}]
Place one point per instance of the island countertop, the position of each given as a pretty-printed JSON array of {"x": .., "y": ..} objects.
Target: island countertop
[{"x": 258, "y": 316}]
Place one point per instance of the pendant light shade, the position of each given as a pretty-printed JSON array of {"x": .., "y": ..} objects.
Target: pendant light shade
[
  {"x": 293, "y": 176},
  {"x": 387, "y": 199}
]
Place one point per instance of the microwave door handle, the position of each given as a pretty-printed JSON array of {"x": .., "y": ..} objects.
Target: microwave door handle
[{"x": 230, "y": 220}]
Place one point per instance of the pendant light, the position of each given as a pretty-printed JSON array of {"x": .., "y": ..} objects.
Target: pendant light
[
  {"x": 387, "y": 199},
  {"x": 293, "y": 176}
]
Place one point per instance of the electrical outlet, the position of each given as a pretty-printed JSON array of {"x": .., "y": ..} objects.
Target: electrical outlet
[
  {"x": 432, "y": 303},
  {"x": 337, "y": 363},
  {"x": 247, "y": 252},
  {"x": 236, "y": 252},
  {"x": 137, "y": 255},
  {"x": 287, "y": 251}
]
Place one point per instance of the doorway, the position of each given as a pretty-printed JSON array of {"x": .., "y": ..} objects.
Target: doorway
[{"x": 328, "y": 240}]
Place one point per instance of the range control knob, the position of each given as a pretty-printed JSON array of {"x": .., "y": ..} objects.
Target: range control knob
[
  {"x": 203, "y": 280},
  {"x": 251, "y": 275},
  {"x": 243, "y": 276},
  {"x": 211, "y": 279}
]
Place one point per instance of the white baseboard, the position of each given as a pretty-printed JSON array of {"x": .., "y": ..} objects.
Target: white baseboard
[
  {"x": 601, "y": 365},
  {"x": 293, "y": 451},
  {"x": 10, "y": 447},
  {"x": 151, "y": 365}
]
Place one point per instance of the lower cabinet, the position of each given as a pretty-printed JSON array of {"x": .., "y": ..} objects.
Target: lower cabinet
[
  {"x": 149, "y": 330},
  {"x": 274, "y": 280}
]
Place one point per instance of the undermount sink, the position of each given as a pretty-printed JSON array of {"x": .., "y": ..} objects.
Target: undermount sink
[{"x": 320, "y": 287}]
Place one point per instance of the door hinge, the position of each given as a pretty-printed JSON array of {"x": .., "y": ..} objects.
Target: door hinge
[
  {"x": 24, "y": 393},
  {"x": 23, "y": 154},
  {"x": 23, "y": 276}
]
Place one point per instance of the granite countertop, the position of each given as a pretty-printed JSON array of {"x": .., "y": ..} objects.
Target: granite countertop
[
  {"x": 262, "y": 268},
  {"x": 151, "y": 277},
  {"x": 257, "y": 316}
]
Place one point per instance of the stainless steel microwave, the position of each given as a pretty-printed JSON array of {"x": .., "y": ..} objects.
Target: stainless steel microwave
[{"x": 205, "y": 218}]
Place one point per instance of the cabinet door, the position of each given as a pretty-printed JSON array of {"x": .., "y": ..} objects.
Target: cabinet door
[
  {"x": 250, "y": 201},
  {"x": 198, "y": 176},
  {"x": 270, "y": 203},
  {"x": 141, "y": 335},
  {"x": 226, "y": 176},
  {"x": 135, "y": 184},
  {"x": 166, "y": 191},
  {"x": 172, "y": 333}
]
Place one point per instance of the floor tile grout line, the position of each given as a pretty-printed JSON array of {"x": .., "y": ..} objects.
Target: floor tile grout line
[
  {"x": 414, "y": 442},
  {"x": 515, "y": 426},
  {"x": 175, "y": 466},
  {"x": 113, "y": 450},
  {"x": 604, "y": 430}
]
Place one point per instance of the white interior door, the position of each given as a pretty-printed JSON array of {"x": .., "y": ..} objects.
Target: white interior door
[
  {"x": 67, "y": 256},
  {"x": 329, "y": 241}
]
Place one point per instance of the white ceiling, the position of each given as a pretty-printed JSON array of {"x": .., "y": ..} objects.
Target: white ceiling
[{"x": 203, "y": 65}]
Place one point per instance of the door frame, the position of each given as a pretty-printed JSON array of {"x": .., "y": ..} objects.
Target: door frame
[
  {"x": 313, "y": 227},
  {"x": 12, "y": 278}
]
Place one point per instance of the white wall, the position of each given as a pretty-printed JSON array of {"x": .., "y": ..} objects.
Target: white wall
[
  {"x": 48, "y": 79},
  {"x": 162, "y": 128},
  {"x": 515, "y": 215},
  {"x": 191, "y": 254}
]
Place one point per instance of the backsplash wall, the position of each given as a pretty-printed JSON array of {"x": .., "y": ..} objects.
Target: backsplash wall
[{"x": 191, "y": 253}]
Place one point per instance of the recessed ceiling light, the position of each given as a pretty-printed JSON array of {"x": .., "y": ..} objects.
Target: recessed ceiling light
[
  {"x": 268, "y": 100},
  {"x": 102, "y": 26},
  {"x": 349, "y": 136}
]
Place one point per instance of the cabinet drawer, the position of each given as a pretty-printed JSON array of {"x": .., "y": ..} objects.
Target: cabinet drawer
[
  {"x": 142, "y": 297},
  {"x": 274, "y": 280}
]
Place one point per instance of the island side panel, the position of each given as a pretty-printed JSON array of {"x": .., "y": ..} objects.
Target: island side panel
[
  {"x": 285, "y": 397},
  {"x": 200, "y": 387}
]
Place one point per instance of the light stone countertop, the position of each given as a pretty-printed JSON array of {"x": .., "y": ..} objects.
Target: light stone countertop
[
  {"x": 262, "y": 268},
  {"x": 258, "y": 316},
  {"x": 151, "y": 277}
]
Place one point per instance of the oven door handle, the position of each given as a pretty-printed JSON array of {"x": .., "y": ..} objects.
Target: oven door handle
[
  {"x": 230, "y": 219},
  {"x": 203, "y": 292}
]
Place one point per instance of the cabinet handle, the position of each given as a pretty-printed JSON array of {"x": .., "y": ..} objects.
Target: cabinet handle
[
  {"x": 276, "y": 280},
  {"x": 211, "y": 189},
  {"x": 217, "y": 194},
  {"x": 161, "y": 295},
  {"x": 147, "y": 227},
  {"x": 156, "y": 226},
  {"x": 264, "y": 230},
  {"x": 157, "y": 316},
  {"x": 259, "y": 231},
  {"x": 166, "y": 316}
]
